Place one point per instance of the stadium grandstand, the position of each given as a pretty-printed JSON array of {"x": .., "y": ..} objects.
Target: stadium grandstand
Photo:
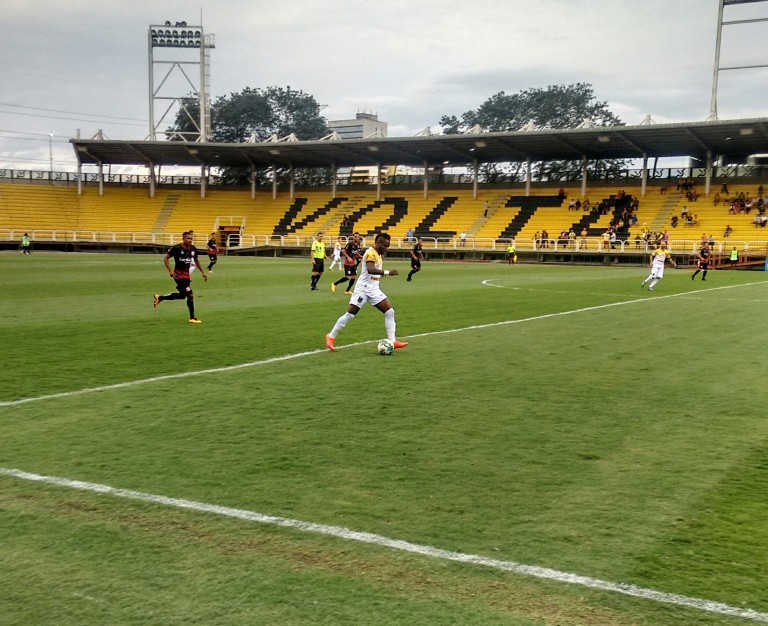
[{"x": 93, "y": 211}]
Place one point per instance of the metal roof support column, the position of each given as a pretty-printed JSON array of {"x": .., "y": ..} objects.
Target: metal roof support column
[
  {"x": 79, "y": 177},
  {"x": 274, "y": 182},
  {"x": 474, "y": 178},
  {"x": 291, "y": 180},
  {"x": 528, "y": 176},
  {"x": 333, "y": 181},
  {"x": 644, "y": 176},
  {"x": 584, "y": 176},
  {"x": 253, "y": 181},
  {"x": 426, "y": 183},
  {"x": 708, "y": 179},
  {"x": 378, "y": 181},
  {"x": 151, "y": 167},
  {"x": 202, "y": 181},
  {"x": 101, "y": 178}
]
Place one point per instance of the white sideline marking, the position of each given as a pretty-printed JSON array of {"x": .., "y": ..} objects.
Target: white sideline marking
[
  {"x": 288, "y": 357},
  {"x": 397, "y": 544}
]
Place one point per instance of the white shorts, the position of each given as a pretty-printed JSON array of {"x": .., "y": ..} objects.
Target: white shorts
[
  {"x": 657, "y": 271},
  {"x": 367, "y": 293}
]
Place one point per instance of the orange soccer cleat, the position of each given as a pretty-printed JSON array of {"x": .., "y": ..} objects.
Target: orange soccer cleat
[
  {"x": 400, "y": 344},
  {"x": 330, "y": 343}
]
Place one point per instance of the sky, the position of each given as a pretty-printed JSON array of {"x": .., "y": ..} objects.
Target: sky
[{"x": 76, "y": 67}]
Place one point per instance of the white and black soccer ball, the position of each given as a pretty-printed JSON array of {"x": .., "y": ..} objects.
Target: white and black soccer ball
[{"x": 385, "y": 347}]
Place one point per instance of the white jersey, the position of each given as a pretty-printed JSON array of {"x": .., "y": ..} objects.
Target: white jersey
[
  {"x": 337, "y": 250},
  {"x": 367, "y": 280},
  {"x": 367, "y": 286}
]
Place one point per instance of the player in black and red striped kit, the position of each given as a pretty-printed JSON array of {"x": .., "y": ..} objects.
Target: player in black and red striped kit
[{"x": 184, "y": 256}]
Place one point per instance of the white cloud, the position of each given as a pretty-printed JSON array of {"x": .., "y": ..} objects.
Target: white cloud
[{"x": 409, "y": 62}]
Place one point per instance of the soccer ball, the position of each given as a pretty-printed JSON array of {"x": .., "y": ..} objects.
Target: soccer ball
[{"x": 385, "y": 347}]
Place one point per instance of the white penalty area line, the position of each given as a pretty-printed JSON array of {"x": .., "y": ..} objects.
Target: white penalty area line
[
  {"x": 288, "y": 357},
  {"x": 396, "y": 544}
]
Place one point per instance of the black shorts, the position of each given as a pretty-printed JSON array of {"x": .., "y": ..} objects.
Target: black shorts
[
  {"x": 318, "y": 265},
  {"x": 184, "y": 286},
  {"x": 350, "y": 271},
  {"x": 213, "y": 257},
  {"x": 703, "y": 266},
  {"x": 416, "y": 264}
]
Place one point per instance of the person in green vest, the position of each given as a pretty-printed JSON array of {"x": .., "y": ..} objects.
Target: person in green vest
[
  {"x": 511, "y": 256},
  {"x": 318, "y": 260},
  {"x": 734, "y": 256},
  {"x": 26, "y": 246}
]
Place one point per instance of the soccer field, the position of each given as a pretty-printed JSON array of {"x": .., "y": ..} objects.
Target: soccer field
[{"x": 556, "y": 446}]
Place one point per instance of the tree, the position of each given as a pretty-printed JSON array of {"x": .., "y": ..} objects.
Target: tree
[
  {"x": 260, "y": 112},
  {"x": 556, "y": 107}
]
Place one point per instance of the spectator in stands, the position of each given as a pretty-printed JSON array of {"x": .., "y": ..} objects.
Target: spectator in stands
[
  {"x": 409, "y": 235},
  {"x": 734, "y": 256},
  {"x": 583, "y": 243},
  {"x": 462, "y": 239},
  {"x": 673, "y": 221},
  {"x": 185, "y": 257},
  {"x": 536, "y": 240},
  {"x": 344, "y": 228},
  {"x": 213, "y": 252},
  {"x": 665, "y": 236},
  {"x": 724, "y": 187},
  {"x": 318, "y": 261},
  {"x": 544, "y": 238},
  {"x": 711, "y": 241},
  {"x": 638, "y": 241},
  {"x": 26, "y": 245},
  {"x": 561, "y": 194},
  {"x": 367, "y": 290},
  {"x": 485, "y": 209},
  {"x": 728, "y": 231},
  {"x": 716, "y": 199},
  {"x": 417, "y": 256}
]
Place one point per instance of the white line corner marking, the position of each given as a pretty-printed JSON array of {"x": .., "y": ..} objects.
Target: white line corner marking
[{"x": 406, "y": 546}]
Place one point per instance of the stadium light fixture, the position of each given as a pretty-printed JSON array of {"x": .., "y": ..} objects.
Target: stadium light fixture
[{"x": 178, "y": 35}]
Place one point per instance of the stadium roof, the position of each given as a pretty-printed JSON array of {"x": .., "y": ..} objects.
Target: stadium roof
[{"x": 734, "y": 139}]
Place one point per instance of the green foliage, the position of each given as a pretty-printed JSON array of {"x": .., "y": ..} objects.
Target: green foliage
[
  {"x": 261, "y": 112},
  {"x": 556, "y": 107},
  {"x": 563, "y": 418}
]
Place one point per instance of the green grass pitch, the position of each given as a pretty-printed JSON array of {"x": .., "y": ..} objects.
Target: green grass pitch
[{"x": 552, "y": 416}]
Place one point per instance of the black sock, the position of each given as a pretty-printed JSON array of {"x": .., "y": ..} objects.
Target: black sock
[
  {"x": 351, "y": 282},
  {"x": 191, "y": 307},
  {"x": 703, "y": 274},
  {"x": 694, "y": 274},
  {"x": 341, "y": 280}
]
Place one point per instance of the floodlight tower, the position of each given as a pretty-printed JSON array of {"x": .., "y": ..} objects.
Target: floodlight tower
[
  {"x": 718, "y": 67},
  {"x": 189, "y": 46}
]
